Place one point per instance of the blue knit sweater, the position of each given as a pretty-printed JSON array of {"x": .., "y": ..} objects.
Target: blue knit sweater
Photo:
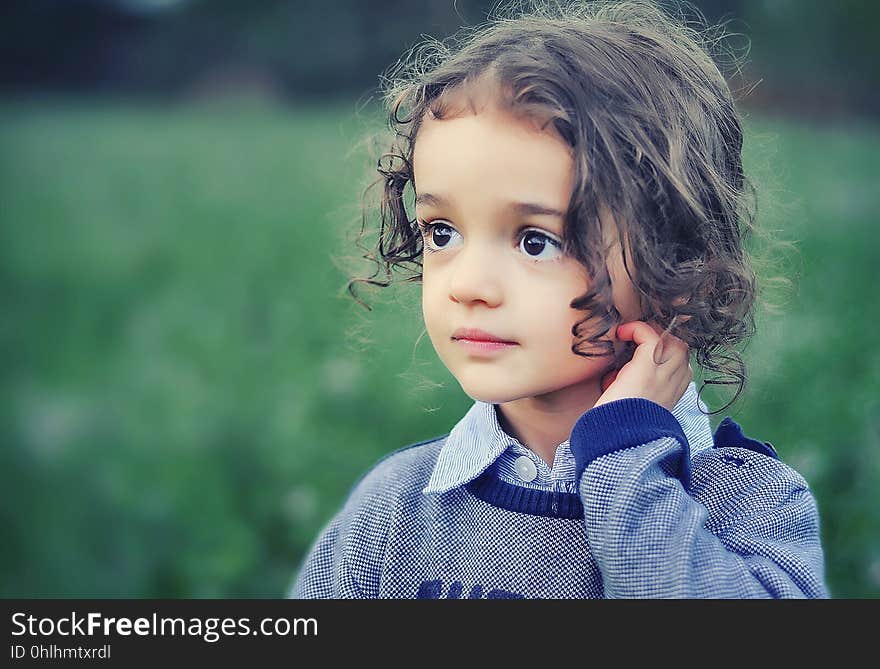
[{"x": 647, "y": 518}]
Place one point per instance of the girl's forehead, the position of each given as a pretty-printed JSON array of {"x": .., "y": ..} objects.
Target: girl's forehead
[
  {"x": 491, "y": 155},
  {"x": 491, "y": 128},
  {"x": 492, "y": 119}
]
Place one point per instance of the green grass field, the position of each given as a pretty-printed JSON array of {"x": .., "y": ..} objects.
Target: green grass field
[{"x": 188, "y": 394}]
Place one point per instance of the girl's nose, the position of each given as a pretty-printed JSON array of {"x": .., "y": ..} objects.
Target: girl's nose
[{"x": 476, "y": 277}]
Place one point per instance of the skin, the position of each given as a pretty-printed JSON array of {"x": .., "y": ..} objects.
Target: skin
[{"x": 495, "y": 268}]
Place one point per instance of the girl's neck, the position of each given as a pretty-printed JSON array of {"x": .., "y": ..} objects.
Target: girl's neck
[{"x": 543, "y": 422}]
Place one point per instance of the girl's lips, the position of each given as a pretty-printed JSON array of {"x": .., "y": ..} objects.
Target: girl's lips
[
  {"x": 477, "y": 335},
  {"x": 485, "y": 347}
]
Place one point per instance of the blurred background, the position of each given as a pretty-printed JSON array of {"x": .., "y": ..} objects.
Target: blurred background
[{"x": 187, "y": 392}]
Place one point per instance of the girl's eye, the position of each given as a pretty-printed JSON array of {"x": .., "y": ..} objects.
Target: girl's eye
[
  {"x": 534, "y": 244},
  {"x": 538, "y": 246},
  {"x": 438, "y": 235}
]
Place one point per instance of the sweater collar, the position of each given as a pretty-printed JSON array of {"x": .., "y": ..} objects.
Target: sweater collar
[{"x": 478, "y": 440}]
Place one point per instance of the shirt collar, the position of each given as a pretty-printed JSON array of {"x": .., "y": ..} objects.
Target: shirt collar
[{"x": 477, "y": 441}]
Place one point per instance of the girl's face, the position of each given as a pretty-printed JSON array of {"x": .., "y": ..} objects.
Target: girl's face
[{"x": 491, "y": 192}]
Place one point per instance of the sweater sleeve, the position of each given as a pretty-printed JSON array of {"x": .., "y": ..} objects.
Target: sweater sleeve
[
  {"x": 731, "y": 524},
  {"x": 324, "y": 573},
  {"x": 345, "y": 561}
]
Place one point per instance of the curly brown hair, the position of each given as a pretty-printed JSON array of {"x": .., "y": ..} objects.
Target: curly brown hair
[{"x": 656, "y": 139}]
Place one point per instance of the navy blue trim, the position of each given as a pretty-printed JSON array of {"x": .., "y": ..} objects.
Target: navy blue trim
[
  {"x": 491, "y": 489},
  {"x": 729, "y": 433},
  {"x": 625, "y": 424}
]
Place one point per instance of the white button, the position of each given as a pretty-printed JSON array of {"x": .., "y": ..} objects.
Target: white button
[{"x": 525, "y": 468}]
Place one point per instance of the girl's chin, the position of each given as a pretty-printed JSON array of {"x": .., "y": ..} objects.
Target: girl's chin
[
  {"x": 490, "y": 394},
  {"x": 482, "y": 393},
  {"x": 489, "y": 398}
]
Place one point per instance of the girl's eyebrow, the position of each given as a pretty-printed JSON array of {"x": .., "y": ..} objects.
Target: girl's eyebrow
[{"x": 520, "y": 208}]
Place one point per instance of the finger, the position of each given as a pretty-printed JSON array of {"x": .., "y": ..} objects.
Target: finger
[
  {"x": 686, "y": 372},
  {"x": 656, "y": 327},
  {"x": 664, "y": 333},
  {"x": 670, "y": 341},
  {"x": 661, "y": 349},
  {"x": 658, "y": 352},
  {"x": 686, "y": 376},
  {"x": 670, "y": 347},
  {"x": 637, "y": 331}
]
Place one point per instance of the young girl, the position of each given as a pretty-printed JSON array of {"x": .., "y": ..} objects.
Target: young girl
[{"x": 578, "y": 203}]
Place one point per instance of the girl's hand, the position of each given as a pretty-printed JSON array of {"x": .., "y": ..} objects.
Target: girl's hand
[{"x": 659, "y": 371}]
